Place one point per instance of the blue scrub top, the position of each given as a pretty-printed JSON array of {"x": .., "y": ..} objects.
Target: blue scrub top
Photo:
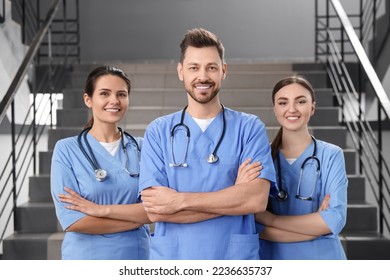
[
  {"x": 72, "y": 169},
  {"x": 226, "y": 237},
  {"x": 332, "y": 180}
]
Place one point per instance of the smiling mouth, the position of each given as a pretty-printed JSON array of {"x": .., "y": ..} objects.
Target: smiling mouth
[
  {"x": 292, "y": 118},
  {"x": 113, "y": 110},
  {"x": 203, "y": 86}
]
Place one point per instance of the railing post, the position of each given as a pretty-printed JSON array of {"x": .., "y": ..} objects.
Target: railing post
[
  {"x": 316, "y": 30},
  {"x": 14, "y": 177},
  {"x": 327, "y": 27},
  {"x": 360, "y": 89},
  {"x": 380, "y": 166},
  {"x": 64, "y": 15},
  {"x": 23, "y": 22}
]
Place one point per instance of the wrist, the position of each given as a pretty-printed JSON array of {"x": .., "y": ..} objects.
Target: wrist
[
  {"x": 105, "y": 211},
  {"x": 183, "y": 201}
]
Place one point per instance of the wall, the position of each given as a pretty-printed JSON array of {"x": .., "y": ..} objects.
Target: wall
[{"x": 152, "y": 29}]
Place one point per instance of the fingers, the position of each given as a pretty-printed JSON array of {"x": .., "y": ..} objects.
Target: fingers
[{"x": 325, "y": 203}]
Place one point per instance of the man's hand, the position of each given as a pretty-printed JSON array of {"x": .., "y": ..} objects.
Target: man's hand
[{"x": 161, "y": 200}]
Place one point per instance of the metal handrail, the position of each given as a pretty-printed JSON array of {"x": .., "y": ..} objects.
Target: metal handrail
[
  {"x": 363, "y": 58},
  {"x": 349, "y": 96},
  {"x": 21, "y": 162},
  {"x": 33, "y": 49}
]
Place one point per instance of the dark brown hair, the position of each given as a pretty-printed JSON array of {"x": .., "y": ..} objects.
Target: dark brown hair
[
  {"x": 295, "y": 79},
  {"x": 98, "y": 72},
  {"x": 199, "y": 38}
]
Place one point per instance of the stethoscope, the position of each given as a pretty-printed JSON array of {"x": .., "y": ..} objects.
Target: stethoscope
[
  {"x": 282, "y": 194},
  {"x": 212, "y": 158},
  {"x": 100, "y": 173}
]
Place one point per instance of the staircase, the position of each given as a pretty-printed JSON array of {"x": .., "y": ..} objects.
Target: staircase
[{"x": 156, "y": 91}]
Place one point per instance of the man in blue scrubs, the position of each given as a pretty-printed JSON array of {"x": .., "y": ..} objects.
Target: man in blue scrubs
[{"x": 199, "y": 210}]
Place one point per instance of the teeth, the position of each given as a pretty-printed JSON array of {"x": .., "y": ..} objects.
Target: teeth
[
  {"x": 112, "y": 110},
  {"x": 203, "y": 86},
  {"x": 292, "y": 118}
]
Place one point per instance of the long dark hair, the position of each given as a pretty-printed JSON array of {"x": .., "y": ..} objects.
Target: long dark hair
[
  {"x": 295, "y": 79},
  {"x": 98, "y": 72}
]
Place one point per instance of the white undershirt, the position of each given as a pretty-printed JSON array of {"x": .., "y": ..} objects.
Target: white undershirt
[
  {"x": 203, "y": 123},
  {"x": 290, "y": 160},
  {"x": 112, "y": 147}
]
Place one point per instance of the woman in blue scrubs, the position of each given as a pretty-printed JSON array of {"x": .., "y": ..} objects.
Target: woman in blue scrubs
[
  {"x": 309, "y": 210},
  {"x": 102, "y": 165}
]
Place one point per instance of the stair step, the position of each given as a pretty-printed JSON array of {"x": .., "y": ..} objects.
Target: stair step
[
  {"x": 45, "y": 162},
  {"x": 36, "y": 217},
  {"x": 54, "y": 244},
  {"x": 26, "y": 246},
  {"x": 356, "y": 189},
  {"x": 59, "y": 133},
  {"x": 72, "y": 117},
  {"x": 361, "y": 217},
  {"x": 365, "y": 246},
  {"x": 39, "y": 189}
]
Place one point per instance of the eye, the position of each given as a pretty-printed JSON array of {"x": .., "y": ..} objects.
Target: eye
[
  {"x": 192, "y": 68},
  {"x": 282, "y": 103},
  {"x": 302, "y": 101},
  {"x": 104, "y": 93},
  {"x": 122, "y": 94}
]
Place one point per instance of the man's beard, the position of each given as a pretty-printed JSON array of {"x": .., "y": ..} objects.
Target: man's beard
[{"x": 205, "y": 99}]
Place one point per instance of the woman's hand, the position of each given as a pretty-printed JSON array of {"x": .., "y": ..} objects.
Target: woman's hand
[
  {"x": 76, "y": 202},
  {"x": 325, "y": 203},
  {"x": 265, "y": 218},
  {"x": 248, "y": 171}
]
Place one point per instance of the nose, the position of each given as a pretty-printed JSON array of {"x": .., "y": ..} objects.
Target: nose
[
  {"x": 203, "y": 76},
  {"x": 292, "y": 107},
  {"x": 114, "y": 99}
]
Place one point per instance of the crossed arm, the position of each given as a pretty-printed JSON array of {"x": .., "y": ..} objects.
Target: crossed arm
[
  {"x": 294, "y": 228},
  {"x": 130, "y": 216}
]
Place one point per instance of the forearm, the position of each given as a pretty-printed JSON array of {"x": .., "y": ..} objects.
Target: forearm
[
  {"x": 239, "y": 199},
  {"x": 280, "y": 235},
  {"x": 94, "y": 225},
  {"x": 127, "y": 212},
  {"x": 182, "y": 217},
  {"x": 311, "y": 224}
]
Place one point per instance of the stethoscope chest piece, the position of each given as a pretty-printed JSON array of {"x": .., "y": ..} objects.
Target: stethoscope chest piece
[
  {"x": 212, "y": 158},
  {"x": 100, "y": 174},
  {"x": 282, "y": 195}
]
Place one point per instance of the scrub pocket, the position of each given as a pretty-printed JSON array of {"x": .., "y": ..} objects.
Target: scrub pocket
[
  {"x": 228, "y": 166},
  {"x": 163, "y": 247},
  {"x": 244, "y": 247}
]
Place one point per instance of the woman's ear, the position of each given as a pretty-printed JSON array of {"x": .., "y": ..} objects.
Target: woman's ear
[
  {"x": 87, "y": 100},
  {"x": 313, "y": 108}
]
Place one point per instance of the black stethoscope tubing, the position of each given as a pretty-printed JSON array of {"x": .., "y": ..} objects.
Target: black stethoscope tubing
[
  {"x": 99, "y": 172},
  {"x": 283, "y": 194},
  {"x": 212, "y": 158}
]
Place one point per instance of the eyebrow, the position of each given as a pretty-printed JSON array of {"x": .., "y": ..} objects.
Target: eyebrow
[{"x": 298, "y": 97}]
